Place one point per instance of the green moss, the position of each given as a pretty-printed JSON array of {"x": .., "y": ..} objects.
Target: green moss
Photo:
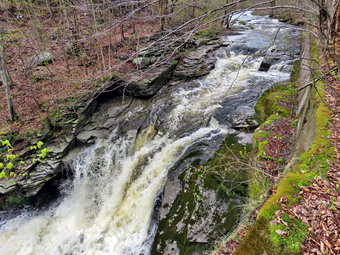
[
  {"x": 309, "y": 165},
  {"x": 294, "y": 123},
  {"x": 269, "y": 240},
  {"x": 257, "y": 241},
  {"x": 208, "y": 33},
  {"x": 14, "y": 200},
  {"x": 220, "y": 175},
  {"x": 184, "y": 212},
  {"x": 261, "y": 148},
  {"x": 272, "y": 102},
  {"x": 261, "y": 133},
  {"x": 289, "y": 188},
  {"x": 294, "y": 78},
  {"x": 258, "y": 186},
  {"x": 270, "y": 109},
  {"x": 294, "y": 233},
  {"x": 317, "y": 158},
  {"x": 264, "y": 237},
  {"x": 181, "y": 212}
]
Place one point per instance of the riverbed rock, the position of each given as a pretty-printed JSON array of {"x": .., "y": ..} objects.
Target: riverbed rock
[
  {"x": 244, "y": 116},
  {"x": 165, "y": 46},
  {"x": 145, "y": 87},
  {"x": 198, "y": 207},
  {"x": 264, "y": 67},
  {"x": 38, "y": 177},
  {"x": 197, "y": 63},
  {"x": 38, "y": 173},
  {"x": 268, "y": 62},
  {"x": 193, "y": 213}
]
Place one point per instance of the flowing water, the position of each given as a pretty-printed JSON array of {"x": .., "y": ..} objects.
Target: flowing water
[{"x": 109, "y": 205}]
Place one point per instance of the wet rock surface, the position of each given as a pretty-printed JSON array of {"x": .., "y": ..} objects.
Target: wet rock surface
[
  {"x": 197, "y": 63},
  {"x": 195, "y": 209},
  {"x": 192, "y": 216},
  {"x": 39, "y": 175}
]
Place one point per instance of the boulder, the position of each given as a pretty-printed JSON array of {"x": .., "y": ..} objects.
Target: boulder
[
  {"x": 39, "y": 173},
  {"x": 141, "y": 62},
  {"x": 41, "y": 58},
  {"x": 192, "y": 215},
  {"x": 244, "y": 116},
  {"x": 197, "y": 63},
  {"x": 264, "y": 67},
  {"x": 151, "y": 82},
  {"x": 268, "y": 62}
]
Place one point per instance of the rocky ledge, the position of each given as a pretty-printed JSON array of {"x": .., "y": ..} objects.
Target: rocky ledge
[{"x": 186, "y": 65}]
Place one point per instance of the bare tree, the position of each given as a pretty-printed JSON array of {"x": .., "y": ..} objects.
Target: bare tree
[
  {"x": 110, "y": 23},
  {"x": 6, "y": 82}
]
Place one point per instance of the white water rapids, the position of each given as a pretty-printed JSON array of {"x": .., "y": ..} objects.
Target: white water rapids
[{"x": 109, "y": 206}]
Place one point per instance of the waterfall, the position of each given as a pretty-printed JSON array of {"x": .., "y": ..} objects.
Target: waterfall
[{"x": 108, "y": 207}]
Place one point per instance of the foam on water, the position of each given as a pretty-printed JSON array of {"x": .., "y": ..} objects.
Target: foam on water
[{"x": 109, "y": 206}]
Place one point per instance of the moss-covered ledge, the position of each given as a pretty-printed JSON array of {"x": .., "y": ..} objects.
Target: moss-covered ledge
[{"x": 269, "y": 237}]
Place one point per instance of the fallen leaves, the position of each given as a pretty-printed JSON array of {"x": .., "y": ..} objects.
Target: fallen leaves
[
  {"x": 229, "y": 248},
  {"x": 320, "y": 210},
  {"x": 279, "y": 147},
  {"x": 320, "y": 207}
]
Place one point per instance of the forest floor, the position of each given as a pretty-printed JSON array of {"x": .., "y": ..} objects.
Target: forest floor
[{"x": 43, "y": 94}]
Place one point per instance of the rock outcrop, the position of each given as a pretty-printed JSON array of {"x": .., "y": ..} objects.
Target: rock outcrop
[
  {"x": 41, "y": 58},
  {"x": 146, "y": 86},
  {"x": 39, "y": 174},
  {"x": 197, "y": 63},
  {"x": 97, "y": 119}
]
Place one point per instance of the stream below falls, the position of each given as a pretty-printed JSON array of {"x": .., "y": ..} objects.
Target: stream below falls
[{"x": 111, "y": 206}]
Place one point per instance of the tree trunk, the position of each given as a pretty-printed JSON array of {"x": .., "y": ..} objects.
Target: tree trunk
[
  {"x": 337, "y": 37},
  {"x": 163, "y": 4},
  {"x": 6, "y": 81}
]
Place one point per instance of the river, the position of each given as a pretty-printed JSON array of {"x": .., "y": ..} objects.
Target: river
[{"x": 108, "y": 206}]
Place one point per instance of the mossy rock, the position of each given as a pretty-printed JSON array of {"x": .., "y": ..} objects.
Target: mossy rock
[
  {"x": 207, "y": 205},
  {"x": 208, "y": 33},
  {"x": 257, "y": 241},
  {"x": 274, "y": 101},
  {"x": 264, "y": 236}
]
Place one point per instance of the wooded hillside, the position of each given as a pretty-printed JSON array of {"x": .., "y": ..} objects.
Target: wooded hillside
[{"x": 57, "y": 53}]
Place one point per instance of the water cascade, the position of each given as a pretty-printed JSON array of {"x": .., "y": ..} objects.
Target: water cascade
[{"x": 108, "y": 206}]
